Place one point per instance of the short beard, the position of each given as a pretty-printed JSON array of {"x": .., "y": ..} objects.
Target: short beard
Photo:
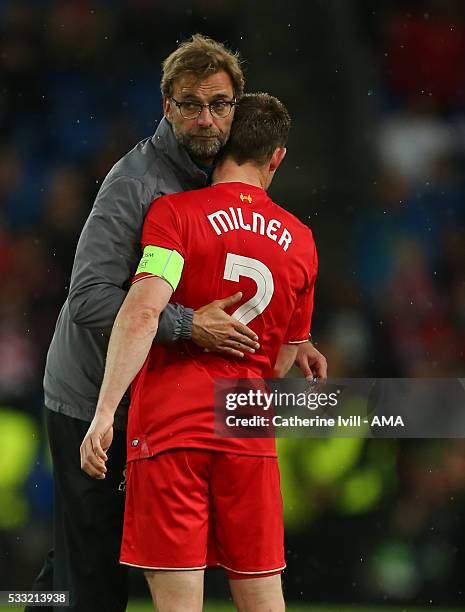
[{"x": 199, "y": 148}]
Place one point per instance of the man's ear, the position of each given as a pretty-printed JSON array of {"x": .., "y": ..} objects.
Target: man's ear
[
  {"x": 277, "y": 158},
  {"x": 167, "y": 111}
]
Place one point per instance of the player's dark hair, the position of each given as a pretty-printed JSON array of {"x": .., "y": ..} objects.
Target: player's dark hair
[
  {"x": 261, "y": 124},
  {"x": 201, "y": 56}
]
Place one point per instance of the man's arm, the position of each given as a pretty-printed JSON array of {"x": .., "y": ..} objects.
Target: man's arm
[
  {"x": 107, "y": 253},
  {"x": 312, "y": 363},
  {"x": 285, "y": 360},
  {"x": 131, "y": 338}
]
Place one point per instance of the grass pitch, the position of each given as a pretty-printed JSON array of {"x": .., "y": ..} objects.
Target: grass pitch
[
  {"x": 228, "y": 607},
  {"x": 146, "y": 606}
]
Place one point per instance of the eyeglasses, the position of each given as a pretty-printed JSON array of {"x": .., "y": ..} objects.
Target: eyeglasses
[{"x": 218, "y": 109}]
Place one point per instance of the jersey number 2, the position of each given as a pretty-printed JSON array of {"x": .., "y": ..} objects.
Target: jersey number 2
[{"x": 237, "y": 266}]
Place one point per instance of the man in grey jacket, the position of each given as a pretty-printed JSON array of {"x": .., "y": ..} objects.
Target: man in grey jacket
[{"x": 201, "y": 82}]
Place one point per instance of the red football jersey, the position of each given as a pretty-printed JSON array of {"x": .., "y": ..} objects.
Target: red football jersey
[{"x": 232, "y": 237}]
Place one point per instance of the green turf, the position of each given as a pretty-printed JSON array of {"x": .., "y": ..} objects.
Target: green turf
[
  {"x": 146, "y": 606},
  {"x": 225, "y": 607}
]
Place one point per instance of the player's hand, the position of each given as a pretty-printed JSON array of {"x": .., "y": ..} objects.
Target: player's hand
[
  {"x": 213, "y": 329},
  {"x": 95, "y": 444},
  {"x": 312, "y": 363}
]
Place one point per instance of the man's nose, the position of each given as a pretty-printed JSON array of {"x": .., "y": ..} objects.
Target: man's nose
[{"x": 205, "y": 118}]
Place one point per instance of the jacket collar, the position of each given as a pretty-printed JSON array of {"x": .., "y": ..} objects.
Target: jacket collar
[{"x": 165, "y": 141}]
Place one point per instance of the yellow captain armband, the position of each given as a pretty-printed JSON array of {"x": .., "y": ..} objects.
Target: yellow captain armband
[{"x": 165, "y": 263}]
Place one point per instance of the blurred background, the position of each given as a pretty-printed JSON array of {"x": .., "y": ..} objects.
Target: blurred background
[{"x": 375, "y": 167}]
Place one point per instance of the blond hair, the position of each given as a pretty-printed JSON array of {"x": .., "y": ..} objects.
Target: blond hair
[{"x": 201, "y": 57}]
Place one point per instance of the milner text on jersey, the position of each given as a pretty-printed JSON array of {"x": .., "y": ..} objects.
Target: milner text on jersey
[{"x": 223, "y": 221}]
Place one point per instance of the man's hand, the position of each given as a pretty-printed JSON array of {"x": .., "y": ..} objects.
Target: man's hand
[
  {"x": 95, "y": 444},
  {"x": 312, "y": 363},
  {"x": 215, "y": 330}
]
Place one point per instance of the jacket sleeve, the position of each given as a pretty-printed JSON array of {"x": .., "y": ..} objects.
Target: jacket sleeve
[{"x": 106, "y": 257}]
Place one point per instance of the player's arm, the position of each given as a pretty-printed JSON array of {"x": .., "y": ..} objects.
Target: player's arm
[
  {"x": 311, "y": 362},
  {"x": 285, "y": 360},
  {"x": 309, "y": 359},
  {"x": 131, "y": 338}
]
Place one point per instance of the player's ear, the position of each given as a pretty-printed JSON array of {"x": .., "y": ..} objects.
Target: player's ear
[
  {"x": 167, "y": 108},
  {"x": 277, "y": 158}
]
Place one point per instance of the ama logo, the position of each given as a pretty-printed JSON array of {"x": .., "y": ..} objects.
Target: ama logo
[{"x": 387, "y": 421}]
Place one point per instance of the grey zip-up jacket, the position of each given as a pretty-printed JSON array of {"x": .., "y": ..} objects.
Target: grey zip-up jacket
[{"x": 107, "y": 256}]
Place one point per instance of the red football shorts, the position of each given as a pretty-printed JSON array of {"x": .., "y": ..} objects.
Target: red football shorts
[{"x": 188, "y": 509}]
